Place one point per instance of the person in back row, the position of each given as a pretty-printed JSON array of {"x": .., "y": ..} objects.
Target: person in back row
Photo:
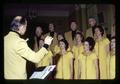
[
  {"x": 71, "y": 34},
  {"x": 90, "y": 31},
  {"x": 111, "y": 60},
  {"x": 101, "y": 49},
  {"x": 53, "y": 34},
  {"x": 77, "y": 49}
]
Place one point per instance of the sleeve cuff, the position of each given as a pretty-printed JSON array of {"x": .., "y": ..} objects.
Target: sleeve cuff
[{"x": 46, "y": 46}]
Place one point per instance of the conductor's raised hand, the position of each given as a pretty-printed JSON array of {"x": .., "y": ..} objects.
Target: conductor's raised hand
[{"x": 48, "y": 40}]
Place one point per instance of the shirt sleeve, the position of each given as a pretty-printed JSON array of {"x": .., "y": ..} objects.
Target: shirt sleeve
[
  {"x": 24, "y": 51},
  {"x": 106, "y": 41}
]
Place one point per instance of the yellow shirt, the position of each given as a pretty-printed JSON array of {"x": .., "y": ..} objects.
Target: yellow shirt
[
  {"x": 68, "y": 36},
  {"x": 87, "y": 66},
  {"x": 46, "y": 60},
  {"x": 16, "y": 51},
  {"x": 101, "y": 51},
  {"x": 111, "y": 66},
  {"x": 63, "y": 70},
  {"x": 77, "y": 50}
]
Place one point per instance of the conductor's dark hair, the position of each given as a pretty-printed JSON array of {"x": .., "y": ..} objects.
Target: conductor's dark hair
[
  {"x": 100, "y": 28},
  {"x": 66, "y": 43},
  {"x": 16, "y": 23},
  {"x": 91, "y": 42}
]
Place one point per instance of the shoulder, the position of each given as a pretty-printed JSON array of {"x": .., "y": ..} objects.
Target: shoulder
[
  {"x": 106, "y": 40},
  {"x": 89, "y": 29},
  {"x": 93, "y": 55},
  {"x": 66, "y": 33},
  {"x": 70, "y": 54},
  {"x": 81, "y": 56},
  {"x": 50, "y": 53},
  {"x": 73, "y": 47}
]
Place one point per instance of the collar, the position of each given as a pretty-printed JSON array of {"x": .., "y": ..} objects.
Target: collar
[{"x": 16, "y": 33}]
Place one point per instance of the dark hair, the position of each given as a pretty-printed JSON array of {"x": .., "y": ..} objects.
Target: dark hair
[
  {"x": 92, "y": 18},
  {"x": 72, "y": 21},
  {"x": 100, "y": 28},
  {"x": 66, "y": 43},
  {"x": 91, "y": 42},
  {"x": 113, "y": 37},
  {"x": 80, "y": 35},
  {"x": 16, "y": 23},
  {"x": 62, "y": 34}
]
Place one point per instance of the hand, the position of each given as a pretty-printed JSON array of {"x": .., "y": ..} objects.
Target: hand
[{"x": 48, "y": 40}]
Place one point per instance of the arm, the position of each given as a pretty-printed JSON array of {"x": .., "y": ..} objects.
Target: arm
[{"x": 23, "y": 50}]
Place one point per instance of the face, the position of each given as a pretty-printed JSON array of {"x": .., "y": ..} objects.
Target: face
[
  {"x": 86, "y": 46},
  {"x": 113, "y": 44},
  {"x": 62, "y": 45},
  {"x": 22, "y": 29},
  {"x": 51, "y": 27},
  {"x": 60, "y": 37},
  {"x": 38, "y": 31},
  {"x": 78, "y": 38},
  {"x": 73, "y": 26},
  {"x": 92, "y": 22},
  {"x": 41, "y": 43},
  {"x": 97, "y": 32}
]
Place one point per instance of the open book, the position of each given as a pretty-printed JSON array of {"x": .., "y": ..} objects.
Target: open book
[{"x": 43, "y": 74}]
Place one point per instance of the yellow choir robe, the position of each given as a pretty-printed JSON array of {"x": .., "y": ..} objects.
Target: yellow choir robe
[
  {"x": 101, "y": 51},
  {"x": 77, "y": 50},
  {"x": 87, "y": 66},
  {"x": 111, "y": 66},
  {"x": 68, "y": 36},
  {"x": 63, "y": 70}
]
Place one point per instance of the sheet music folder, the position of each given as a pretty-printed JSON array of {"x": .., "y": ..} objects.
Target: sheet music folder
[{"x": 43, "y": 74}]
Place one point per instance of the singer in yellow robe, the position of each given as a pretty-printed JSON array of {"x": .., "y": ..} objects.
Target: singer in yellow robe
[
  {"x": 63, "y": 66},
  {"x": 101, "y": 51},
  {"x": 77, "y": 50},
  {"x": 111, "y": 66},
  {"x": 87, "y": 66},
  {"x": 111, "y": 60}
]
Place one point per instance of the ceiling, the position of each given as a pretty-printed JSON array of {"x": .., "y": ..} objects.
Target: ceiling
[{"x": 40, "y": 9}]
